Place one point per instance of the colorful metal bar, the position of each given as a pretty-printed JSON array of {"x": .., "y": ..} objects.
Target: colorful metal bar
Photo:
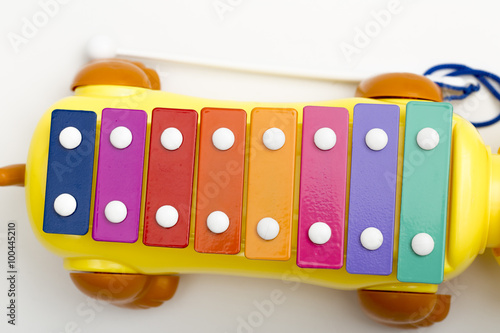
[
  {"x": 119, "y": 175},
  {"x": 271, "y": 178},
  {"x": 325, "y": 135},
  {"x": 170, "y": 177},
  {"x": 70, "y": 168},
  {"x": 424, "y": 198},
  {"x": 372, "y": 197},
  {"x": 221, "y": 166}
]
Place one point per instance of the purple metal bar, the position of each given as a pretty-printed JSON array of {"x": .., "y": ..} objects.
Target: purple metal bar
[
  {"x": 372, "y": 195},
  {"x": 119, "y": 176}
]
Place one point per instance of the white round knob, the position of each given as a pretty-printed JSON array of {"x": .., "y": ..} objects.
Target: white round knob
[
  {"x": 217, "y": 222},
  {"x": 223, "y": 138},
  {"x": 325, "y": 138},
  {"x": 115, "y": 211},
  {"x": 320, "y": 233},
  {"x": 65, "y": 205},
  {"x": 422, "y": 244},
  {"x": 167, "y": 216},
  {"x": 70, "y": 137},
  {"x": 371, "y": 238},
  {"x": 268, "y": 228},
  {"x": 273, "y": 138},
  {"x": 428, "y": 138},
  {"x": 376, "y": 139},
  {"x": 171, "y": 138},
  {"x": 120, "y": 137}
]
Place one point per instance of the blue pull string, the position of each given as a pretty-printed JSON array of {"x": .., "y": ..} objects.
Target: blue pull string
[{"x": 482, "y": 76}]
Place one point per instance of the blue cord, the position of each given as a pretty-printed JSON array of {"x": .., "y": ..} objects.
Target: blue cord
[{"x": 482, "y": 76}]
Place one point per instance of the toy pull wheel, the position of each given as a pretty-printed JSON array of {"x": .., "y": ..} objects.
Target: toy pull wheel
[
  {"x": 118, "y": 72},
  {"x": 403, "y": 309},
  {"x": 127, "y": 290},
  {"x": 399, "y": 85}
]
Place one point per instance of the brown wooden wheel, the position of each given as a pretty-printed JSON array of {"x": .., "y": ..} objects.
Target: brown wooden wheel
[
  {"x": 127, "y": 290},
  {"x": 403, "y": 309},
  {"x": 399, "y": 85},
  {"x": 119, "y": 72}
]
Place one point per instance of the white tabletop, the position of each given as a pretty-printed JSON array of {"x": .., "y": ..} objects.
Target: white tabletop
[{"x": 43, "y": 47}]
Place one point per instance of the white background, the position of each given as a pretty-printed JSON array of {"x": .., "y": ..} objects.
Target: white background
[{"x": 300, "y": 35}]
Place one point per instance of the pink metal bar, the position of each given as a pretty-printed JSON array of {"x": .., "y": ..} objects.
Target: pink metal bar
[{"x": 322, "y": 188}]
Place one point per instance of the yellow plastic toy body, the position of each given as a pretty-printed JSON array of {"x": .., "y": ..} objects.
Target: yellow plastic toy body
[
  {"x": 473, "y": 208},
  {"x": 473, "y": 223}
]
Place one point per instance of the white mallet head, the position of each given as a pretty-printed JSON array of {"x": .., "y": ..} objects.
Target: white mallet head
[{"x": 101, "y": 47}]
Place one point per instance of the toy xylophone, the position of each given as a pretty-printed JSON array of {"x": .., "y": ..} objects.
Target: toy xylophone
[{"x": 369, "y": 194}]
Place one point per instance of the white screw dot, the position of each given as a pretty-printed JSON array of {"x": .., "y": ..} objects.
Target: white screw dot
[
  {"x": 120, "y": 137},
  {"x": 223, "y": 138},
  {"x": 320, "y": 233},
  {"x": 427, "y": 138},
  {"x": 217, "y": 222},
  {"x": 371, "y": 238},
  {"x": 274, "y": 138},
  {"x": 422, "y": 244},
  {"x": 65, "y": 205},
  {"x": 325, "y": 138},
  {"x": 70, "y": 137},
  {"x": 376, "y": 139},
  {"x": 171, "y": 138},
  {"x": 167, "y": 216},
  {"x": 115, "y": 211},
  {"x": 268, "y": 228}
]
